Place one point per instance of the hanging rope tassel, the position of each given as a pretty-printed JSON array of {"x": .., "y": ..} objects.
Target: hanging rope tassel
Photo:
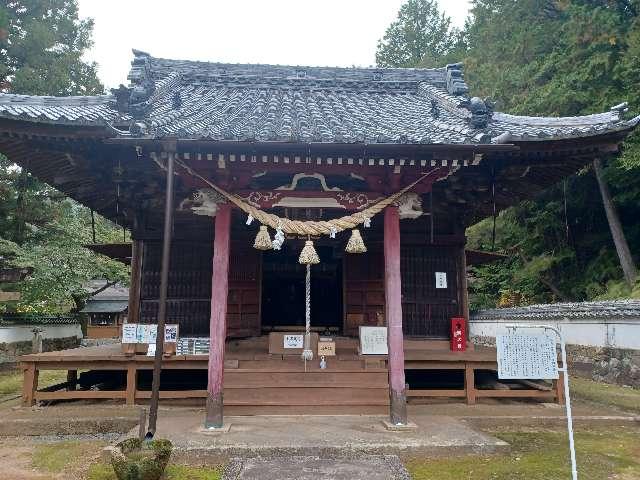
[
  {"x": 308, "y": 255},
  {"x": 263, "y": 240},
  {"x": 355, "y": 243},
  {"x": 307, "y": 353}
]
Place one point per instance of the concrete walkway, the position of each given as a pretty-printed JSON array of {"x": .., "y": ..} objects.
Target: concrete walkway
[
  {"x": 321, "y": 436},
  {"x": 371, "y": 467}
]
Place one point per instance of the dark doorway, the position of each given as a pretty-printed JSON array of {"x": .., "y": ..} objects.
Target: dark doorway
[{"x": 283, "y": 288}]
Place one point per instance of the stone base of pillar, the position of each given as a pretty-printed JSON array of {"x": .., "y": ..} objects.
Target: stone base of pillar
[
  {"x": 398, "y": 410},
  {"x": 214, "y": 418},
  {"x": 408, "y": 427}
]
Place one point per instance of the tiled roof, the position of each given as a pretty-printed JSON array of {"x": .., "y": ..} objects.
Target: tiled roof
[
  {"x": 559, "y": 311},
  {"x": 12, "y": 319},
  {"x": 96, "y": 110},
  {"x": 104, "y": 306},
  {"x": 303, "y": 104}
]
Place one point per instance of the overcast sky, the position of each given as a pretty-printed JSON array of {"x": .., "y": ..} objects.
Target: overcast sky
[{"x": 293, "y": 32}]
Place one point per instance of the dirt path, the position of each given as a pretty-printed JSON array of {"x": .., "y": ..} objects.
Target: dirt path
[{"x": 15, "y": 462}]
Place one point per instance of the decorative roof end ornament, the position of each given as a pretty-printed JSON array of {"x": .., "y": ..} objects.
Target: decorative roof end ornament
[
  {"x": 620, "y": 109},
  {"x": 455, "y": 80},
  {"x": 142, "y": 84},
  {"x": 481, "y": 111}
]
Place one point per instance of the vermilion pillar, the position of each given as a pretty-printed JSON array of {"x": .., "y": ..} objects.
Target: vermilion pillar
[
  {"x": 393, "y": 314},
  {"x": 218, "y": 321}
]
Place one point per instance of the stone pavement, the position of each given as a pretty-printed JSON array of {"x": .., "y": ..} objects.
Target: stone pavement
[
  {"x": 370, "y": 467},
  {"x": 322, "y": 436}
]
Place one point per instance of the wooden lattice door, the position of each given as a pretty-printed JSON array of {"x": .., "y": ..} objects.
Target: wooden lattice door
[{"x": 426, "y": 309}]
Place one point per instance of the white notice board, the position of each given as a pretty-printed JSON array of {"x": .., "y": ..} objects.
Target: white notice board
[
  {"x": 373, "y": 341},
  {"x": 522, "y": 357}
]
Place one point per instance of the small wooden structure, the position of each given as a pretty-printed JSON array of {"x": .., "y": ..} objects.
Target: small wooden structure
[
  {"x": 107, "y": 311},
  {"x": 304, "y": 143}
]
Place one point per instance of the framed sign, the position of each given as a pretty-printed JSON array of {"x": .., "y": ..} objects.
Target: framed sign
[
  {"x": 523, "y": 357},
  {"x": 293, "y": 341},
  {"x": 130, "y": 333},
  {"x": 373, "y": 341}
]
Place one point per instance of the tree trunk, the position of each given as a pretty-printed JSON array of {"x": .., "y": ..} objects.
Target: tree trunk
[{"x": 620, "y": 241}]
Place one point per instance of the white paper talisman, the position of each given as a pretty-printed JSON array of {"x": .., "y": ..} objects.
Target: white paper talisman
[{"x": 441, "y": 280}]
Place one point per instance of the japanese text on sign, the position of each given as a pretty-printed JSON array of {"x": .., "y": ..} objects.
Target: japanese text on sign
[
  {"x": 373, "y": 341},
  {"x": 526, "y": 357}
]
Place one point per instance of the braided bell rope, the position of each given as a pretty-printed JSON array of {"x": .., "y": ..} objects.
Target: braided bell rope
[
  {"x": 307, "y": 227},
  {"x": 307, "y": 353}
]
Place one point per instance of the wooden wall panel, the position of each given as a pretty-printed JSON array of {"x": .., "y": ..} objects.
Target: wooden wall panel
[
  {"x": 364, "y": 290},
  {"x": 189, "y": 290},
  {"x": 243, "y": 306}
]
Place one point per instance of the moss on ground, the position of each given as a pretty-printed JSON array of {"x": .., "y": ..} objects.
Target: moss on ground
[
  {"x": 608, "y": 453},
  {"x": 11, "y": 381},
  {"x": 60, "y": 457},
  {"x": 103, "y": 471},
  {"x": 624, "y": 398}
]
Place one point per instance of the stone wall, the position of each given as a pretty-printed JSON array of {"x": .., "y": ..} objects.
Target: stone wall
[{"x": 17, "y": 340}]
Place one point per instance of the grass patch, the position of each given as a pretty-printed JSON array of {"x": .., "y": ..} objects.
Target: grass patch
[
  {"x": 11, "y": 381},
  {"x": 103, "y": 471},
  {"x": 610, "y": 453},
  {"x": 623, "y": 398},
  {"x": 59, "y": 457}
]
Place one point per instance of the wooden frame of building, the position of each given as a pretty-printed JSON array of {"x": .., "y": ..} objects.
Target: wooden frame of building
[{"x": 306, "y": 143}]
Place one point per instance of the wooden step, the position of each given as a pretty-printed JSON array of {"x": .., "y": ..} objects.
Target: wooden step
[
  {"x": 308, "y": 396},
  {"x": 248, "y": 410},
  {"x": 296, "y": 365},
  {"x": 315, "y": 379}
]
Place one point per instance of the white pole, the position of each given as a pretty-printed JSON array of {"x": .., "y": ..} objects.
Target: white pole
[{"x": 565, "y": 374}]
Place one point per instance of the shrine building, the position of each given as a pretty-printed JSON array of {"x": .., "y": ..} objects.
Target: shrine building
[{"x": 280, "y": 189}]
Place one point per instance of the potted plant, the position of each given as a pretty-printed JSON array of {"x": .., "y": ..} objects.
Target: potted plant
[{"x": 135, "y": 459}]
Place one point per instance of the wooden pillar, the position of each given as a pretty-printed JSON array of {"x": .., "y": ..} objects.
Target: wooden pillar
[
  {"x": 464, "y": 289},
  {"x": 470, "y": 384},
  {"x": 29, "y": 384},
  {"x": 133, "y": 311},
  {"x": 72, "y": 380},
  {"x": 558, "y": 387},
  {"x": 132, "y": 381},
  {"x": 218, "y": 322},
  {"x": 393, "y": 314}
]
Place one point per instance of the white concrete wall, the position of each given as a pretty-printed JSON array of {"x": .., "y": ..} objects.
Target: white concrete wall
[
  {"x": 595, "y": 333},
  {"x": 23, "y": 333}
]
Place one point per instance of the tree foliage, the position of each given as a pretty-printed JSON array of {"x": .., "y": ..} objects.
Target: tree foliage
[
  {"x": 421, "y": 36},
  {"x": 554, "y": 57},
  {"x": 41, "y": 48}
]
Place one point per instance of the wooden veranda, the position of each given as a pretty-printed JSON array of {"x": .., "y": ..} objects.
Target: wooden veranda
[{"x": 256, "y": 382}]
